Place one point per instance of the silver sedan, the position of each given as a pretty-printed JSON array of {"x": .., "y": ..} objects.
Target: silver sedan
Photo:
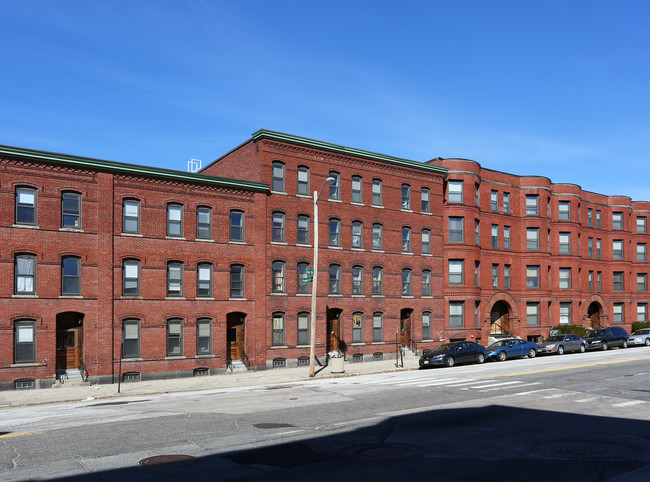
[{"x": 562, "y": 343}]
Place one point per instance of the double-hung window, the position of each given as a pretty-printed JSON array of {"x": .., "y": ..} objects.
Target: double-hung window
[
  {"x": 71, "y": 210},
  {"x": 617, "y": 249},
  {"x": 278, "y": 277},
  {"x": 175, "y": 337},
  {"x": 532, "y": 239},
  {"x": 25, "y": 341},
  {"x": 617, "y": 311},
  {"x": 25, "y": 274},
  {"x": 377, "y": 327},
  {"x": 564, "y": 210},
  {"x": 277, "y": 181},
  {"x": 456, "y": 314},
  {"x": 377, "y": 192},
  {"x": 532, "y": 205},
  {"x": 617, "y": 220},
  {"x": 237, "y": 226},
  {"x": 335, "y": 279},
  {"x": 303, "y": 328},
  {"x": 357, "y": 280},
  {"x": 278, "y": 227},
  {"x": 617, "y": 281},
  {"x": 357, "y": 327},
  {"x": 641, "y": 224},
  {"x": 495, "y": 236},
  {"x": 335, "y": 232},
  {"x": 174, "y": 278},
  {"x": 506, "y": 203},
  {"x": 455, "y": 271},
  {"x": 426, "y": 325},
  {"x": 532, "y": 277},
  {"x": 406, "y": 197},
  {"x": 641, "y": 252},
  {"x": 425, "y": 198},
  {"x": 565, "y": 243},
  {"x": 407, "y": 287},
  {"x": 494, "y": 200},
  {"x": 532, "y": 314},
  {"x": 406, "y": 239},
  {"x": 204, "y": 280},
  {"x": 26, "y": 206},
  {"x": 303, "y": 229},
  {"x": 426, "y": 241},
  {"x": 426, "y": 282},
  {"x": 70, "y": 276},
  {"x": 456, "y": 234},
  {"x": 131, "y": 338},
  {"x": 203, "y": 222},
  {"x": 357, "y": 193},
  {"x": 304, "y": 286},
  {"x": 204, "y": 336},
  {"x": 565, "y": 278},
  {"x": 377, "y": 237},
  {"x": 174, "y": 220},
  {"x": 377, "y": 281},
  {"x": 131, "y": 277},
  {"x": 357, "y": 234},
  {"x": 506, "y": 238},
  {"x": 455, "y": 191},
  {"x": 335, "y": 187},
  {"x": 277, "y": 329},
  {"x": 131, "y": 216},
  {"x": 641, "y": 282},
  {"x": 236, "y": 281},
  {"x": 303, "y": 180}
]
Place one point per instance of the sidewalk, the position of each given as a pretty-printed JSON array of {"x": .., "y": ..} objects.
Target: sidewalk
[{"x": 75, "y": 393}]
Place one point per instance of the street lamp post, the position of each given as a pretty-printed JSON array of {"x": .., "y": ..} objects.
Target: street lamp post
[{"x": 312, "y": 322}]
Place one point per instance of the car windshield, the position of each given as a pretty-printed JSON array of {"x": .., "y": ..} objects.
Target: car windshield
[
  {"x": 592, "y": 333},
  {"x": 642, "y": 332},
  {"x": 555, "y": 338},
  {"x": 442, "y": 348},
  {"x": 499, "y": 343}
]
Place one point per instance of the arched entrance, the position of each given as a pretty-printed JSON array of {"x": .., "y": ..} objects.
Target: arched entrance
[
  {"x": 405, "y": 327},
  {"x": 69, "y": 341},
  {"x": 593, "y": 315},
  {"x": 235, "y": 335},
  {"x": 500, "y": 318},
  {"x": 334, "y": 342}
]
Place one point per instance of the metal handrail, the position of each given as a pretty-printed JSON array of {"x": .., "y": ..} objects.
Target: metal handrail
[{"x": 83, "y": 371}]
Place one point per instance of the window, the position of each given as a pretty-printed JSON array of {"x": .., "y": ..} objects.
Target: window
[
  {"x": 407, "y": 288},
  {"x": 548, "y": 241},
  {"x": 426, "y": 325},
  {"x": 357, "y": 280},
  {"x": 456, "y": 314},
  {"x": 357, "y": 234},
  {"x": 506, "y": 276},
  {"x": 425, "y": 197},
  {"x": 477, "y": 232},
  {"x": 565, "y": 278},
  {"x": 25, "y": 274},
  {"x": 131, "y": 216},
  {"x": 506, "y": 238},
  {"x": 203, "y": 222},
  {"x": 377, "y": 281},
  {"x": 641, "y": 252},
  {"x": 590, "y": 217},
  {"x": 277, "y": 183},
  {"x": 357, "y": 194},
  {"x": 590, "y": 247},
  {"x": 377, "y": 237},
  {"x": 131, "y": 339},
  {"x": 617, "y": 220},
  {"x": 277, "y": 275},
  {"x": 564, "y": 210},
  {"x": 642, "y": 312},
  {"x": 204, "y": 336},
  {"x": 377, "y": 193},
  {"x": 495, "y": 236},
  {"x": 477, "y": 266},
  {"x": 335, "y": 187},
  {"x": 426, "y": 241},
  {"x": 532, "y": 314},
  {"x": 598, "y": 249},
  {"x": 277, "y": 329},
  {"x": 357, "y": 327},
  {"x": 455, "y": 271},
  {"x": 26, "y": 206},
  {"x": 174, "y": 220},
  {"x": 406, "y": 197},
  {"x": 598, "y": 219},
  {"x": 131, "y": 277},
  {"x": 303, "y": 328},
  {"x": 303, "y": 229},
  {"x": 617, "y": 280},
  {"x": 237, "y": 226},
  {"x": 548, "y": 207},
  {"x": 617, "y": 249},
  {"x": 591, "y": 280},
  {"x": 532, "y": 205},
  {"x": 495, "y": 276},
  {"x": 599, "y": 280},
  {"x": 377, "y": 327},
  {"x": 565, "y": 313},
  {"x": 174, "y": 278},
  {"x": 494, "y": 200},
  {"x": 506, "y": 203},
  {"x": 303, "y": 180},
  {"x": 455, "y": 191},
  {"x": 477, "y": 197},
  {"x": 641, "y": 282},
  {"x": 71, "y": 275},
  {"x": 456, "y": 230},
  {"x": 175, "y": 337},
  {"x": 565, "y": 243},
  {"x": 303, "y": 285},
  {"x": 71, "y": 210},
  {"x": 618, "y": 312},
  {"x": 532, "y": 277},
  {"x": 236, "y": 281},
  {"x": 406, "y": 240},
  {"x": 278, "y": 227},
  {"x": 335, "y": 232},
  {"x": 204, "y": 280},
  {"x": 426, "y": 282},
  {"x": 532, "y": 239},
  {"x": 335, "y": 279},
  {"x": 640, "y": 224},
  {"x": 25, "y": 341}
]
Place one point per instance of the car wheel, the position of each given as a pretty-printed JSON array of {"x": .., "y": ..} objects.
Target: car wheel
[
  {"x": 647, "y": 342},
  {"x": 560, "y": 350},
  {"x": 502, "y": 356},
  {"x": 532, "y": 353},
  {"x": 583, "y": 348},
  {"x": 605, "y": 346},
  {"x": 624, "y": 344},
  {"x": 480, "y": 358},
  {"x": 450, "y": 362}
]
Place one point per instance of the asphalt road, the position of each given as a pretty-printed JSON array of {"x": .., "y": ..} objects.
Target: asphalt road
[{"x": 579, "y": 417}]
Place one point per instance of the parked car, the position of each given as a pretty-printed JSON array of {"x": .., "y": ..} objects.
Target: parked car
[
  {"x": 639, "y": 337},
  {"x": 512, "y": 348},
  {"x": 450, "y": 354},
  {"x": 603, "y": 338},
  {"x": 562, "y": 343}
]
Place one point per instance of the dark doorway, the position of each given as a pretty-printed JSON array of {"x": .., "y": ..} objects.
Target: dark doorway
[
  {"x": 500, "y": 318},
  {"x": 593, "y": 314},
  {"x": 334, "y": 330},
  {"x": 405, "y": 327},
  {"x": 235, "y": 334},
  {"x": 69, "y": 340}
]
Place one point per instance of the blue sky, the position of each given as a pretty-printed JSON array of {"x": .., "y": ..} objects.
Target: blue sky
[{"x": 552, "y": 88}]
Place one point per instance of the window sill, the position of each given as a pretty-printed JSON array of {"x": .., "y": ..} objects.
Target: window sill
[
  {"x": 135, "y": 297},
  {"x": 24, "y": 296},
  {"x": 304, "y": 245},
  {"x": 174, "y": 297},
  {"x": 131, "y": 235},
  {"x": 377, "y": 296},
  {"x": 71, "y": 230},
  {"x": 237, "y": 299},
  {"x": 25, "y": 365},
  {"x": 427, "y": 296},
  {"x": 274, "y": 347},
  {"x": 357, "y": 204},
  {"x": 280, "y": 243},
  {"x": 281, "y": 193},
  {"x": 334, "y": 295},
  {"x": 407, "y": 253},
  {"x": 427, "y": 213},
  {"x": 408, "y": 297},
  {"x": 179, "y": 238},
  {"x": 358, "y": 296},
  {"x": 357, "y": 249},
  {"x": 25, "y": 226},
  {"x": 334, "y": 200},
  {"x": 202, "y": 240},
  {"x": 205, "y": 356},
  {"x": 278, "y": 294},
  {"x": 204, "y": 298},
  {"x": 378, "y": 343},
  {"x": 132, "y": 359},
  {"x": 427, "y": 254},
  {"x": 378, "y": 250},
  {"x": 71, "y": 297},
  {"x": 406, "y": 210},
  {"x": 306, "y": 196},
  {"x": 175, "y": 357},
  {"x": 334, "y": 247},
  {"x": 358, "y": 343},
  {"x": 377, "y": 206},
  {"x": 237, "y": 242}
]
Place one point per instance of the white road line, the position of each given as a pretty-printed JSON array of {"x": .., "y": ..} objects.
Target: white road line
[
  {"x": 585, "y": 400},
  {"x": 469, "y": 382},
  {"x": 356, "y": 422},
  {"x": 500, "y": 384},
  {"x": 419, "y": 380},
  {"x": 628, "y": 404},
  {"x": 518, "y": 386},
  {"x": 536, "y": 391},
  {"x": 558, "y": 395}
]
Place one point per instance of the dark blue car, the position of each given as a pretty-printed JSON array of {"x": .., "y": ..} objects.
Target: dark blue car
[
  {"x": 450, "y": 354},
  {"x": 512, "y": 348}
]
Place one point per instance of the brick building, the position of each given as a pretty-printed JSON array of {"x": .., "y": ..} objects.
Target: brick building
[
  {"x": 128, "y": 271},
  {"x": 523, "y": 254}
]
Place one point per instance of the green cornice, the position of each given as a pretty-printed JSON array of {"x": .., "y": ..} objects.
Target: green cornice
[
  {"x": 348, "y": 151},
  {"x": 123, "y": 168}
]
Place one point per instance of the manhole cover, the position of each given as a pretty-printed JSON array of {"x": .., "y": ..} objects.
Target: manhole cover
[
  {"x": 579, "y": 449},
  {"x": 383, "y": 451},
  {"x": 166, "y": 461},
  {"x": 273, "y": 425}
]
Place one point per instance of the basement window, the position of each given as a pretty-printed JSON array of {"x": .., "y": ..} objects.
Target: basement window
[
  {"x": 131, "y": 377},
  {"x": 24, "y": 384},
  {"x": 378, "y": 356},
  {"x": 279, "y": 363}
]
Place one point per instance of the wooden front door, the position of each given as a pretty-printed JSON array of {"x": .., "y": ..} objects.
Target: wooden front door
[
  {"x": 333, "y": 331},
  {"x": 69, "y": 348},
  {"x": 595, "y": 319},
  {"x": 405, "y": 328},
  {"x": 236, "y": 341}
]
